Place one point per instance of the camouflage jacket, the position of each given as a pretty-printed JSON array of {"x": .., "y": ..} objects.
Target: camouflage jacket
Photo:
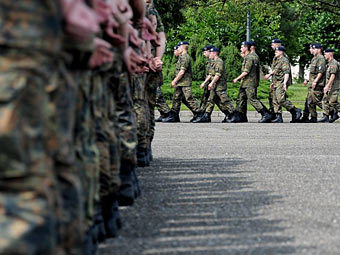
[
  {"x": 209, "y": 66},
  {"x": 251, "y": 65},
  {"x": 282, "y": 67},
  {"x": 317, "y": 65},
  {"x": 160, "y": 26},
  {"x": 33, "y": 25},
  {"x": 275, "y": 61},
  {"x": 184, "y": 64},
  {"x": 333, "y": 67},
  {"x": 218, "y": 69}
]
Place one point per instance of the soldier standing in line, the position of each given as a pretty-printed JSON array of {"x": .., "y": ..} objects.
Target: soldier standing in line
[
  {"x": 182, "y": 85},
  {"x": 279, "y": 86},
  {"x": 331, "y": 90},
  {"x": 315, "y": 83},
  {"x": 29, "y": 45},
  {"x": 218, "y": 88},
  {"x": 249, "y": 83}
]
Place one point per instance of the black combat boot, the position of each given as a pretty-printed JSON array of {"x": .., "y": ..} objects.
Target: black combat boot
[
  {"x": 150, "y": 154},
  {"x": 311, "y": 120},
  {"x": 126, "y": 194},
  {"x": 205, "y": 118},
  {"x": 162, "y": 116},
  {"x": 111, "y": 216},
  {"x": 296, "y": 115},
  {"x": 278, "y": 118},
  {"x": 324, "y": 118},
  {"x": 173, "y": 117},
  {"x": 235, "y": 117},
  {"x": 266, "y": 116},
  {"x": 334, "y": 116}
]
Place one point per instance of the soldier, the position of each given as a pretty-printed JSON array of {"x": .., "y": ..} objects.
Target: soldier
[
  {"x": 250, "y": 81},
  {"x": 182, "y": 85},
  {"x": 331, "y": 90},
  {"x": 315, "y": 83},
  {"x": 279, "y": 86},
  {"x": 28, "y": 196},
  {"x": 275, "y": 43},
  {"x": 206, "y": 93},
  {"x": 218, "y": 88}
]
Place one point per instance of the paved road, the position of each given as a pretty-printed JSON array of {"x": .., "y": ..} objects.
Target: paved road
[{"x": 237, "y": 189}]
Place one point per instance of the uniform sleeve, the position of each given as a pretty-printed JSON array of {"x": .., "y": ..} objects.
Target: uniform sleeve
[
  {"x": 333, "y": 69},
  {"x": 184, "y": 63},
  {"x": 321, "y": 66},
  {"x": 285, "y": 67},
  {"x": 218, "y": 68},
  {"x": 248, "y": 64},
  {"x": 160, "y": 26}
]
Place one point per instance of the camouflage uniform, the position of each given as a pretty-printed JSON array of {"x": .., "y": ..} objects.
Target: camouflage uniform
[
  {"x": 282, "y": 67},
  {"x": 206, "y": 93},
  {"x": 330, "y": 99},
  {"x": 271, "y": 92},
  {"x": 141, "y": 109},
  {"x": 154, "y": 80},
  {"x": 28, "y": 46},
  {"x": 314, "y": 96},
  {"x": 249, "y": 84},
  {"x": 218, "y": 94},
  {"x": 183, "y": 91},
  {"x": 161, "y": 104}
]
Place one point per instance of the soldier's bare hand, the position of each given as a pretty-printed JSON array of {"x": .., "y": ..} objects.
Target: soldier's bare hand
[
  {"x": 235, "y": 80},
  {"x": 202, "y": 85},
  {"x": 267, "y": 76},
  {"x": 304, "y": 83},
  {"x": 325, "y": 90}
]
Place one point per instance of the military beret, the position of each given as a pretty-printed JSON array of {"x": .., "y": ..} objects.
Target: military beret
[
  {"x": 329, "y": 50},
  {"x": 246, "y": 43},
  {"x": 276, "y": 41},
  {"x": 281, "y": 48},
  {"x": 214, "y": 49},
  {"x": 316, "y": 46},
  {"x": 208, "y": 47},
  {"x": 252, "y": 43},
  {"x": 183, "y": 43},
  {"x": 176, "y": 47}
]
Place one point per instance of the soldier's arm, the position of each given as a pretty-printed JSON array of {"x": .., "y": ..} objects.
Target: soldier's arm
[
  {"x": 207, "y": 79},
  {"x": 329, "y": 83}
]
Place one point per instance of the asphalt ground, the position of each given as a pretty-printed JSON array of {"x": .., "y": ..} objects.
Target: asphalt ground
[{"x": 244, "y": 188}]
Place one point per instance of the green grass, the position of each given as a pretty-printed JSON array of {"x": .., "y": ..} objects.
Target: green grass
[{"x": 296, "y": 93}]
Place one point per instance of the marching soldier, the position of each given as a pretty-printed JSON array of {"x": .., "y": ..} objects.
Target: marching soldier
[
  {"x": 315, "y": 83},
  {"x": 279, "y": 86},
  {"x": 182, "y": 85},
  {"x": 331, "y": 90},
  {"x": 218, "y": 88},
  {"x": 249, "y": 84}
]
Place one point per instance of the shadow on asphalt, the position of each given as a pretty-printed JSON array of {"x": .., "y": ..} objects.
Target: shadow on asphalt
[{"x": 201, "y": 206}]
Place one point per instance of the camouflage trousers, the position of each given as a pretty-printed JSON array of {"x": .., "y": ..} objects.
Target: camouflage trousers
[
  {"x": 126, "y": 122},
  {"x": 184, "y": 94},
  {"x": 330, "y": 101},
  {"x": 280, "y": 100},
  {"x": 86, "y": 150},
  {"x": 222, "y": 101},
  {"x": 204, "y": 99},
  {"x": 141, "y": 109},
  {"x": 314, "y": 98},
  {"x": 152, "y": 82},
  {"x": 161, "y": 105},
  {"x": 63, "y": 94},
  {"x": 28, "y": 194},
  {"x": 245, "y": 95}
]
